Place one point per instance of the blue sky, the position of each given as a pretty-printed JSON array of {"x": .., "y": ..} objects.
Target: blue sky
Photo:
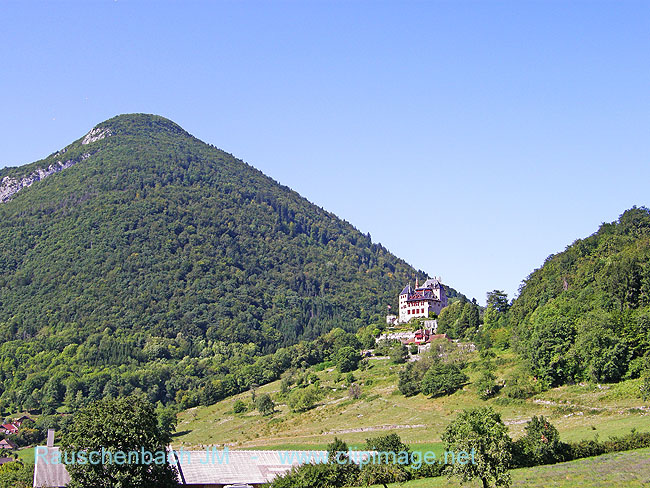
[{"x": 472, "y": 139}]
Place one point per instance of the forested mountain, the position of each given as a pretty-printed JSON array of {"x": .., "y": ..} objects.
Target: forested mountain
[
  {"x": 140, "y": 258},
  {"x": 585, "y": 314}
]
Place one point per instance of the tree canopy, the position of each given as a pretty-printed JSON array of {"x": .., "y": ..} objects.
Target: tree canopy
[{"x": 118, "y": 428}]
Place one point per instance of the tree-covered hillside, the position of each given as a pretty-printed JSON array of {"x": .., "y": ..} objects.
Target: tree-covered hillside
[
  {"x": 156, "y": 251},
  {"x": 585, "y": 314}
]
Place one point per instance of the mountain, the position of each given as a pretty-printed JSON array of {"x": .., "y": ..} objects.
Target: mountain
[
  {"x": 585, "y": 314},
  {"x": 139, "y": 246}
]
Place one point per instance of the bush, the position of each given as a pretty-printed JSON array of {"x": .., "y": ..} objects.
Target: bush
[
  {"x": 347, "y": 359},
  {"x": 410, "y": 378},
  {"x": 442, "y": 379},
  {"x": 485, "y": 386},
  {"x": 399, "y": 353},
  {"x": 540, "y": 445},
  {"x": 239, "y": 407},
  {"x": 303, "y": 399},
  {"x": 264, "y": 404},
  {"x": 520, "y": 386}
]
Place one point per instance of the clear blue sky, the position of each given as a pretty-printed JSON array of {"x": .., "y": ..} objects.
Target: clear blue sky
[{"x": 473, "y": 139}]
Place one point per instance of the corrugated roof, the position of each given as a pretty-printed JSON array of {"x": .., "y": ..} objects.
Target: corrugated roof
[
  {"x": 210, "y": 466},
  {"x": 220, "y": 466},
  {"x": 47, "y": 473}
]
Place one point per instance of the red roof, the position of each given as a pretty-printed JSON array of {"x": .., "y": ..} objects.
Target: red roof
[
  {"x": 10, "y": 427},
  {"x": 437, "y": 336}
]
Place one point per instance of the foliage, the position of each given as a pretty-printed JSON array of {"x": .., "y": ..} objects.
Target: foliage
[
  {"x": 333, "y": 474},
  {"x": 122, "y": 425},
  {"x": 460, "y": 320},
  {"x": 480, "y": 431},
  {"x": 540, "y": 445},
  {"x": 347, "y": 359},
  {"x": 264, "y": 404},
  {"x": 303, "y": 399},
  {"x": 589, "y": 448},
  {"x": 239, "y": 406},
  {"x": 410, "y": 378},
  {"x": 387, "y": 443},
  {"x": 162, "y": 265},
  {"x": 519, "y": 385},
  {"x": 442, "y": 379},
  {"x": 585, "y": 314},
  {"x": 485, "y": 385},
  {"x": 398, "y": 353},
  {"x": 16, "y": 475},
  {"x": 382, "y": 474}
]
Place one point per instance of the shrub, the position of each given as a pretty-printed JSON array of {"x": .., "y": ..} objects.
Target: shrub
[
  {"x": 399, "y": 353},
  {"x": 410, "y": 378},
  {"x": 442, "y": 379},
  {"x": 540, "y": 445},
  {"x": 264, "y": 404},
  {"x": 303, "y": 399},
  {"x": 347, "y": 359}
]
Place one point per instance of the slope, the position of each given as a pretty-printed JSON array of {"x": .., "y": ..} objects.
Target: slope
[
  {"x": 585, "y": 314},
  {"x": 139, "y": 245}
]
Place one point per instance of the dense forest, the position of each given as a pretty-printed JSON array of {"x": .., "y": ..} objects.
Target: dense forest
[
  {"x": 585, "y": 314},
  {"x": 161, "y": 264}
]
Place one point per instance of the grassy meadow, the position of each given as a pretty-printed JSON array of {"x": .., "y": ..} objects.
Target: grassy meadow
[
  {"x": 630, "y": 469},
  {"x": 578, "y": 411}
]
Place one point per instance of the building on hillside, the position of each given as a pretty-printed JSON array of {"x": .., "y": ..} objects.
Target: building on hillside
[
  {"x": 7, "y": 444},
  {"x": 20, "y": 421},
  {"x": 431, "y": 297},
  {"x": 8, "y": 429}
]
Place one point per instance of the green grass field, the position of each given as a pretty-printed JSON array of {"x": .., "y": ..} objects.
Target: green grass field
[
  {"x": 578, "y": 411},
  {"x": 26, "y": 454},
  {"x": 630, "y": 469}
]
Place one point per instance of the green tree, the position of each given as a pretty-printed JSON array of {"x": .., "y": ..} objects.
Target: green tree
[
  {"x": 540, "y": 445},
  {"x": 303, "y": 399},
  {"x": 347, "y": 359},
  {"x": 398, "y": 353},
  {"x": 264, "y": 404},
  {"x": 497, "y": 300},
  {"x": 239, "y": 406},
  {"x": 410, "y": 378},
  {"x": 122, "y": 425},
  {"x": 382, "y": 474},
  {"x": 16, "y": 475},
  {"x": 442, "y": 379},
  {"x": 480, "y": 433},
  {"x": 485, "y": 386},
  {"x": 387, "y": 443}
]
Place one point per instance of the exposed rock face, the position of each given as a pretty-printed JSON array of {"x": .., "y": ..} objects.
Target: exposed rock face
[
  {"x": 95, "y": 135},
  {"x": 10, "y": 186}
]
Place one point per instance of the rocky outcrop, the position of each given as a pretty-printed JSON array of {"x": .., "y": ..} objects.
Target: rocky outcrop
[
  {"x": 10, "y": 186},
  {"x": 95, "y": 135}
]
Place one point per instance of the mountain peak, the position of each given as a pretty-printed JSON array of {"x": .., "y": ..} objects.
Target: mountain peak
[{"x": 139, "y": 124}]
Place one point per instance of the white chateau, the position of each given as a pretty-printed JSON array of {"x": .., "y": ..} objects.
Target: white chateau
[{"x": 418, "y": 302}]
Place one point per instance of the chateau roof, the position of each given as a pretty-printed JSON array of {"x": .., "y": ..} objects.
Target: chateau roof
[
  {"x": 407, "y": 290},
  {"x": 422, "y": 294},
  {"x": 431, "y": 283}
]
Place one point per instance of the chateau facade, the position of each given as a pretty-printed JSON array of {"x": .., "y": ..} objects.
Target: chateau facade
[{"x": 419, "y": 302}]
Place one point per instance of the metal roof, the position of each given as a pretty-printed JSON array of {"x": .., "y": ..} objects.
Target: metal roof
[
  {"x": 46, "y": 472},
  {"x": 212, "y": 466}
]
